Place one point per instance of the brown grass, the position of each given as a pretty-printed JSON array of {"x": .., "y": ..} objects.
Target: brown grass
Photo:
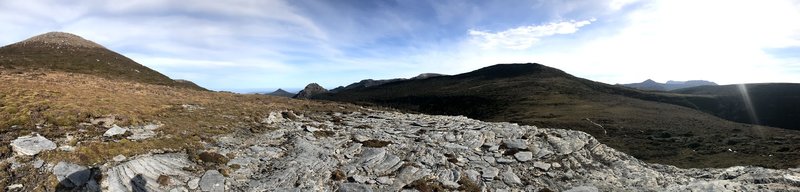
[{"x": 59, "y": 102}]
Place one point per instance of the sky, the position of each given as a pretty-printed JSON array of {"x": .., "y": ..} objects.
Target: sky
[{"x": 261, "y": 45}]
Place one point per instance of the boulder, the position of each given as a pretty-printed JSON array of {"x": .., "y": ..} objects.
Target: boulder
[
  {"x": 524, "y": 156},
  {"x": 114, "y": 131}
]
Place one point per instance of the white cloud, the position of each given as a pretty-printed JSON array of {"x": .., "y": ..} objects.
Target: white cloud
[
  {"x": 722, "y": 41},
  {"x": 525, "y": 36}
]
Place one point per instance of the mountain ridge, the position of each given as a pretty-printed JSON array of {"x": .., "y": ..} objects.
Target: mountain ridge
[
  {"x": 71, "y": 53},
  {"x": 650, "y": 85}
]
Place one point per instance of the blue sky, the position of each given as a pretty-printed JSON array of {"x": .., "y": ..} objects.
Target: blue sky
[{"x": 258, "y": 45}]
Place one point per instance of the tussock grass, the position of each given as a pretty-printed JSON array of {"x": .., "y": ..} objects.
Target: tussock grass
[{"x": 60, "y": 103}]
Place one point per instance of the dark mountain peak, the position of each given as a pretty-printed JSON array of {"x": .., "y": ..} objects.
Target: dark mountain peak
[
  {"x": 649, "y": 84},
  {"x": 310, "y": 90},
  {"x": 517, "y": 69},
  {"x": 281, "y": 93},
  {"x": 60, "y": 39}
]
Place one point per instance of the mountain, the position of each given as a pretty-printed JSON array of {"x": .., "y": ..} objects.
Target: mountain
[
  {"x": 770, "y": 104},
  {"x": 656, "y": 127},
  {"x": 310, "y": 90},
  {"x": 281, "y": 93},
  {"x": 76, "y": 132},
  {"x": 70, "y": 53},
  {"x": 670, "y": 85},
  {"x": 370, "y": 82}
]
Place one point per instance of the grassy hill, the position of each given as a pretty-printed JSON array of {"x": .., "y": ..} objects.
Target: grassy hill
[
  {"x": 771, "y": 104},
  {"x": 636, "y": 122},
  {"x": 70, "y": 53}
]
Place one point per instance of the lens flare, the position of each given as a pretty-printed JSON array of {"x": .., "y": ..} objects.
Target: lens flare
[{"x": 748, "y": 103}]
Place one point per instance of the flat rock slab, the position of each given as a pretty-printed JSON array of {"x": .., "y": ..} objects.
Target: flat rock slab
[
  {"x": 31, "y": 145},
  {"x": 142, "y": 173},
  {"x": 212, "y": 181},
  {"x": 114, "y": 131}
]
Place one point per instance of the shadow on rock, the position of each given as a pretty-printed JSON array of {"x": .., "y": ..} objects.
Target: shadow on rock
[
  {"x": 138, "y": 183},
  {"x": 74, "y": 177}
]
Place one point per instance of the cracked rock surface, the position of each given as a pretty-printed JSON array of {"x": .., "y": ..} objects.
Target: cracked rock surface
[
  {"x": 389, "y": 151},
  {"x": 385, "y": 151}
]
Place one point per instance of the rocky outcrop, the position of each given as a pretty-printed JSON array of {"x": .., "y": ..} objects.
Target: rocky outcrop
[
  {"x": 311, "y": 89},
  {"x": 384, "y": 151},
  {"x": 143, "y": 173},
  {"x": 389, "y": 151}
]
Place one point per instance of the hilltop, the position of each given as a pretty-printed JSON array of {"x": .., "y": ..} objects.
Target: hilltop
[{"x": 66, "y": 52}]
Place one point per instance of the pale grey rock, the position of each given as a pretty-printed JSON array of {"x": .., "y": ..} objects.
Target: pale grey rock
[
  {"x": 541, "y": 165},
  {"x": 524, "y": 156},
  {"x": 385, "y": 180},
  {"x": 510, "y": 178},
  {"x": 38, "y": 163},
  {"x": 212, "y": 181},
  {"x": 360, "y": 138},
  {"x": 192, "y": 107},
  {"x": 489, "y": 159},
  {"x": 273, "y": 117},
  {"x": 179, "y": 189},
  {"x": 114, "y": 131},
  {"x": 119, "y": 158},
  {"x": 360, "y": 179},
  {"x": 543, "y": 153},
  {"x": 489, "y": 173},
  {"x": 194, "y": 183},
  {"x": 311, "y": 129},
  {"x": 354, "y": 187},
  {"x": 71, "y": 175},
  {"x": 585, "y": 189},
  {"x": 473, "y": 175},
  {"x": 143, "y": 132},
  {"x": 14, "y": 187},
  {"x": 31, "y": 145},
  {"x": 519, "y": 144},
  {"x": 141, "y": 173}
]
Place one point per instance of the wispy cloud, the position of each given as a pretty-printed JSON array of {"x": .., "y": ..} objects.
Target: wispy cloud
[
  {"x": 525, "y": 36},
  {"x": 225, "y": 45}
]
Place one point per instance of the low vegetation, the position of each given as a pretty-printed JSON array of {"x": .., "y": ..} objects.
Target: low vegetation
[
  {"x": 656, "y": 127},
  {"x": 60, "y": 105}
]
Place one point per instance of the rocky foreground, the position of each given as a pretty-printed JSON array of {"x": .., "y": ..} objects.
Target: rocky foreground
[{"x": 387, "y": 151}]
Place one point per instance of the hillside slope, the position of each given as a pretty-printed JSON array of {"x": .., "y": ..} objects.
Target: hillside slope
[
  {"x": 626, "y": 119},
  {"x": 770, "y": 104},
  {"x": 70, "y": 53}
]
